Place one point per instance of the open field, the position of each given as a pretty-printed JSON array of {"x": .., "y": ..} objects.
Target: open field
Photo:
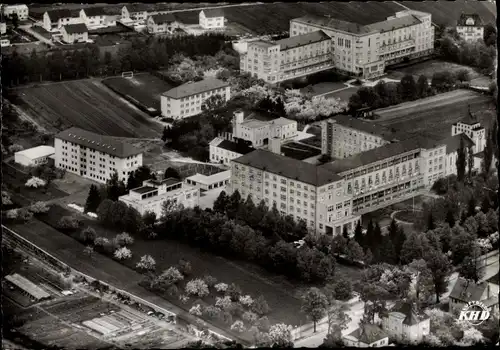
[
  {"x": 446, "y": 13},
  {"x": 428, "y": 68},
  {"x": 86, "y": 104},
  {"x": 434, "y": 115},
  {"x": 144, "y": 88}
]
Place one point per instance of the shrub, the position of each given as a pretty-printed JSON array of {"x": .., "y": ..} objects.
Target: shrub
[
  {"x": 236, "y": 310},
  {"x": 250, "y": 317},
  {"x": 35, "y": 182},
  {"x": 210, "y": 281},
  {"x": 124, "y": 239},
  {"x": 263, "y": 324},
  {"x": 173, "y": 290},
  {"x": 171, "y": 276},
  {"x": 260, "y": 307},
  {"x": 234, "y": 291},
  {"x": 197, "y": 287},
  {"x": 88, "y": 235},
  {"x": 24, "y": 215},
  {"x": 89, "y": 250},
  {"x": 221, "y": 287},
  {"x": 15, "y": 148},
  {"x": 246, "y": 300},
  {"x": 463, "y": 75},
  {"x": 146, "y": 263},
  {"x": 6, "y": 198},
  {"x": 223, "y": 303},
  {"x": 184, "y": 298},
  {"x": 39, "y": 208},
  {"x": 238, "y": 326},
  {"x": 68, "y": 223},
  {"x": 212, "y": 312},
  {"x": 226, "y": 317},
  {"x": 185, "y": 267},
  {"x": 101, "y": 241},
  {"x": 123, "y": 253},
  {"x": 343, "y": 289},
  {"x": 196, "y": 310},
  {"x": 12, "y": 214}
]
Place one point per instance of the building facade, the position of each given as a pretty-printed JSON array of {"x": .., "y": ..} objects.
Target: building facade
[
  {"x": 366, "y": 336},
  {"x": 135, "y": 12},
  {"x": 164, "y": 23},
  {"x": 3, "y": 28},
  {"x": 297, "y": 188},
  {"x": 466, "y": 291},
  {"x": 471, "y": 127},
  {"x": 75, "y": 33},
  {"x": 366, "y": 50},
  {"x": 405, "y": 321},
  {"x": 211, "y": 182},
  {"x": 34, "y": 156},
  {"x": 55, "y": 19},
  {"x": 224, "y": 151},
  {"x": 95, "y": 156},
  {"x": 470, "y": 27},
  {"x": 153, "y": 193},
  {"x": 288, "y": 58},
  {"x": 21, "y": 10},
  {"x": 186, "y": 100},
  {"x": 94, "y": 17},
  {"x": 211, "y": 19}
]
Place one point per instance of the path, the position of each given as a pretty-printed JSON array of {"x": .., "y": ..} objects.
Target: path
[{"x": 40, "y": 37}]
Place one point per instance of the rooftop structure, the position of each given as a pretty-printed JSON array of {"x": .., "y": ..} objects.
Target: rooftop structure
[
  {"x": 215, "y": 12},
  {"x": 301, "y": 40},
  {"x": 368, "y": 334},
  {"x": 163, "y": 18},
  {"x": 37, "y": 152},
  {"x": 27, "y": 286},
  {"x": 472, "y": 19},
  {"x": 194, "y": 88},
  {"x": 94, "y": 11},
  {"x": 76, "y": 28}
]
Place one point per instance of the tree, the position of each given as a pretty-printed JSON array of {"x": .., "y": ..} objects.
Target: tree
[
  {"x": 409, "y": 87},
  {"x": 368, "y": 256},
  {"x": 422, "y": 86},
  {"x": 221, "y": 203},
  {"x": 170, "y": 276},
  {"x": 146, "y": 263},
  {"x": 212, "y": 103},
  {"x": 430, "y": 222},
  {"x": 260, "y": 306},
  {"x": 171, "y": 172},
  {"x": 15, "y": 20},
  {"x": 88, "y": 235},
  {"x": 123, "y": 253},
  {"x": 345, "y": 233},
  {"x": 39, "y": 207},
  {"x": 314, "y": 305},
  {"x": 470, "y": 163},
  {"x": 488, "y": 152},
  {"x": 354, "y": 251},
  {"x": 490, "y": 35},
  {"x": 197, "y": 287},
  {"x": 423, "y": 285},
  {"x": 413, "y": 248},
  {"x": 224, "y": 303},
  {"x": 460, "y": 162},
  {"x": 358, "y": 234},
  {"x": 339, "y": 289},
  {"x": 281, "y": 335},
  {"x": 35, "y": 182},
  {"x": 387, "y": 251},
  {"x": 338, "y": 321},
  {"x": 123, "y": 239},
  {"x": 115, "y": 187},
  {"x": 439, "y": 266},
  {"x": 238, "y": 326},
  {"x": 470, "y": 269},
  {"x": 463, "y": 75},
  {"x": 93, "y": 200},
  {"x": 68, "y": 223},
  {"x": 460, "y": 245},
  {"x": 339, "y": 245},
  {"x": 450, "y": 218},
  {"x": 164, "y": 135}
]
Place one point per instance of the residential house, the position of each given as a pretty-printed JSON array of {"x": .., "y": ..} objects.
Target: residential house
[
  {"x": 75, "y": 33},
  {"x": 4, "y": 42},
  {"x": 367, "y": 335},
  {"x": 94, "y": 17},
  {"x": 405, "y": 321},
  {"x": 465, "y": 291},
  {"x": 55, "y": 19},
  {"x": 211, "y": 18},
  {"x": 164, "y": 23},
  {"x": 21, "y": 10},
  {"x": 135, "y": 12},
  {"x": 470, "y": 27},
  {"x": 224, "y": 151}
]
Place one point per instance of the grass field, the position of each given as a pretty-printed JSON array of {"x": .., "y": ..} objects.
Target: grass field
[
  {"x": 144, "y": 88},
  {"x": 87, "y": 104},
  {"x": 434, "y": 115}
]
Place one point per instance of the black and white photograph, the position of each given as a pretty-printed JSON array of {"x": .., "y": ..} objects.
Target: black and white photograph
[{"x": 249, "y": 175}]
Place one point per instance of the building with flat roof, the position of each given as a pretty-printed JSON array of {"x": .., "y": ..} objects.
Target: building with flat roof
[
  {"x": 153, "y": 193},
  {"x": 34, "y": 156},
  {"x": 466, "y": 291},
  {"x": 365, "y": 50},
  {"x": 470, "y": 27},
  {"x": 186, "y": 100},
  {"x": 95, "y": 156},
  {"x": 211, "y": 182}
]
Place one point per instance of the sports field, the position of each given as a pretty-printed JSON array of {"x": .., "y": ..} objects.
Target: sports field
[
  {"x": 87, "y": 104},
  {"x": 434, "y": 115}
]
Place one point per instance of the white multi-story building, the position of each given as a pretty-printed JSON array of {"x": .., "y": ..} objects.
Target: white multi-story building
[
  {"x": 297, "y": 188},
  {"x": 224, "y": 151},
  {"x": 153, "y": 193},
  {"x": 211, "y": 18},
  {"x": 470, "y": 27},
  {"x": 75, "y": 33},
  {"x": 453, "y": 144},
  {"x": 95, "y": 156},
  {"x": 134, "y": 12},
  {"x": 259, "y": 132},
  {"x": 405, "y": 322},
  {"x": 94, "y": 17},
  {"x": 55, "y": 19},
  {"x": 366, "y": 336},
  {"x": 164, "y": 23},
  {"x": 275, "y": 61},
  {"x": 186, "y": 100},
  {"x": 366, "y": 50},
  {"x": 344, "y": 136},
  {"x": 471, "y": 127},
  {"x": 21, "y": 10}
]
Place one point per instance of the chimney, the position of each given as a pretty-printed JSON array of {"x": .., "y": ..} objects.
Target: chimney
[
  {"x": 239, "y": 116},
  {"x": 275, "y": 145}
]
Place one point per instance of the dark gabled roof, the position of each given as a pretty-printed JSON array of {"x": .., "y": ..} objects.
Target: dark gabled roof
[
  {"x": 237, "y": 147},
  {"x": 55, "y": 15},
  {"x": 338, "y": 24},
  {"x": 210, "y": 13},
  {"x": 462, "y": 21},
  {"x": 290, "y": 168},
  {"x": 393, "y": 24},
  {"x": 412, "y": 315},
  {"x": 163, "y": 18},
  {"x": 94, "y": 11},
  {"x": 76, "y": 28},
  {"x": 469, "y": 119},
  {"x": 189, "y": 89},
  {"x": 369, "y": 333},
  {"x": 364, "y": 126},
  {"x": 301, "y": 40},
  {"x": 453, "y": 142},
  {"x": 386, "y": 151},
  {"x": 101, "y": 143},
  {"x": 132, "y": 8},
  {"x": 466, "y": 291}
]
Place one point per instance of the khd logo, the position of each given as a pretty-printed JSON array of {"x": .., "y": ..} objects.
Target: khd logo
[{"x": 475, "y": 312}]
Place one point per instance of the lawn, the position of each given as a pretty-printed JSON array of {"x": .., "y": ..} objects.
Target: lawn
[
  {"x": 343, "y": 94},
  {"x": 144, "y": 90},
  {"x": 86, "y": 104},
  {"x": 433, "y": 116},
  {"x": 322, "y": 88}
]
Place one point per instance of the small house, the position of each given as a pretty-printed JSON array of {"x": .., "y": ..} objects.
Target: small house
[
  {"x": 135, "y": 12},
  {"x": 21, "y": 10},
  {"x": 75, "y": 33},
  {"x": 211, "y": 18},
  {"x": 55, "y": 19},
  {"x": 465, "y": 291},
  {"x": 34, "y": 156},
  {"x": 367, "y": 335},
  {"x": 164, "y": 23},
  {"x": 93, "y": 17}
]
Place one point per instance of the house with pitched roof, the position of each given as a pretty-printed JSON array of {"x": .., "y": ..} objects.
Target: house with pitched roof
[
  {"x": 134, "y": 12},
  {"x": 367, "y": 335},
  {"x": 211, "y": 18},
  {"x": 162, "y": 23},
  {"x": 470, "y": 27},
  {"x": 405, "y": 321},
  {"x": 465, "y": 291},
  {"x": 95, "y": 17},
  {"x": 186, "y": 100},
  {"x": 75, "y": 33},
  {"x": 55, "y": 19},
  {"x": 21, "y": 10}
]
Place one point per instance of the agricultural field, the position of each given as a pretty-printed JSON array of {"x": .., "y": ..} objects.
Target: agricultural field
[
  {"x": 434, "y": 115},
  {"x": 86, "y": 104},
  {"x": 143, "y": 90},
  {"x": 428, "y": 68},
  {"x": 446, "y": 13}
]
